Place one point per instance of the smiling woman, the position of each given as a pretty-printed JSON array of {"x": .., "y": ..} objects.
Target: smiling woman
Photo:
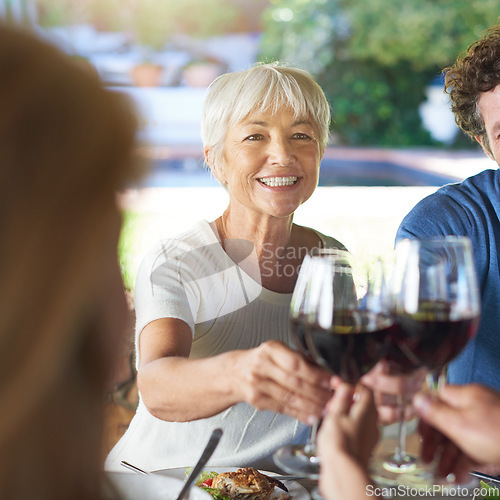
[{"x": 212, "y": 338}]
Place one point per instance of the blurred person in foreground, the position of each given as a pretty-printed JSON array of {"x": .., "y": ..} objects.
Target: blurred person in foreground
[
  {"x": 467, "y": 415},
  {"x": 472, "y": 207},
  {"x": 212, "y": 335},
  {"x": 65, "y": 149}
]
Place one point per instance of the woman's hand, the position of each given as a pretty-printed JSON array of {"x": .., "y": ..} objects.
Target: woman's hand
[
  {"x": 387, "y": 387},
  {"x": 467, "y": 415},
  {"x": 275, "y": 377},
  {"x": 269, "y": 377},
  {"x": 346, "y": 440}
]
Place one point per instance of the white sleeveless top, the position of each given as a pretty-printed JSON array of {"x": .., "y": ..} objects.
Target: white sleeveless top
[{"x": 191, "y": 278}]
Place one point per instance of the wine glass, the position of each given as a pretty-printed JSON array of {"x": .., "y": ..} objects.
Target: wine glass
[
  {"x": 436, "y": 306},
  {"x": 301, "y": 458},
  {"x": 338, "y": 324},
  {"x": 351, "y": 323}
]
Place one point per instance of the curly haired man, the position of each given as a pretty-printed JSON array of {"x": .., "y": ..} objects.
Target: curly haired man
[{"x": 472, "y": 208}]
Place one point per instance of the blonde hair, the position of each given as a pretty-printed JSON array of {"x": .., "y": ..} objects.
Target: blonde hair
[
  {"x": 233, "y": 96},
  {"x": 65, "y": 149}
]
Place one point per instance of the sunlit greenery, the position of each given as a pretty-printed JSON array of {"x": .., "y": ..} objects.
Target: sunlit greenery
[
  {"x": 126, "y": 248},
  {"x": 151, "y": 23},
  {"x": 375, "y": 58},
  {"x": 422, "y": 31}
]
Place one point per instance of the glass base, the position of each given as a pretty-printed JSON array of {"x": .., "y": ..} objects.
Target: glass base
[
  {"x": 394, "y": 470},
  {"x": 316, "y": 495},
  {"x": 400, "y": 464},
  {"x": 298, "y": 459},
  {"x": 419, "y": 480}
]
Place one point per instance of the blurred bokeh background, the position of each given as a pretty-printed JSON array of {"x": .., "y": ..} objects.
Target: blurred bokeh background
[
  {"x": 393, "y": 136},
  {"x": 380, "y": 62}
]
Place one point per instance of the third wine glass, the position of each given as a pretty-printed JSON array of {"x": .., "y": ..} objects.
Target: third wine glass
[{"x": 436, "y": 306}]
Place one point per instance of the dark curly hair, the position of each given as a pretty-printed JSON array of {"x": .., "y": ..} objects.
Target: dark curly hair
[{"x": 474, "y": 72}]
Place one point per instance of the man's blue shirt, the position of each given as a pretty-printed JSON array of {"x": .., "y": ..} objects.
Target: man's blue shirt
[{"x": 471, "y": 208}]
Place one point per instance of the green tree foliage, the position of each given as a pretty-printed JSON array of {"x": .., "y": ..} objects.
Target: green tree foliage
[
  {"x": 374, "y": 58},
  {"x": 151, "y": 23},
  {"x": 422, "y": 31}
]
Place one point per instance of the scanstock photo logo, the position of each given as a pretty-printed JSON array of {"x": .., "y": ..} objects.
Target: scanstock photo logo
[
  {"x": 437, "y": 491},
  {"x": 227, "y": 279}
]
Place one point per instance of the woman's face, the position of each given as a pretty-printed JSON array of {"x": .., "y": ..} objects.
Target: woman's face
[{"x": 271, "y": 162}]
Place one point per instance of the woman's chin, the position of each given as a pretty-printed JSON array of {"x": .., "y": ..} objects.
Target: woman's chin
[{"x": 280, "y": 212}]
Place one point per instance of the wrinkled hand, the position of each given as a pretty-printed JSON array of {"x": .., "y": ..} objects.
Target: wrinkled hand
[
  {"x": 468, "y": 416},
  {"x": 387, "y": 387},
  {"x": 275, "y": 377},
  {"x": 350, "y": 427}
]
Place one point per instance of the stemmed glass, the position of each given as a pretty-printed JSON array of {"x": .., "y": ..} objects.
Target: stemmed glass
[
  {"x": 340, "y": 323},
  {"x": 301, "y": 458},
  {"x": 436, "y": 306}
]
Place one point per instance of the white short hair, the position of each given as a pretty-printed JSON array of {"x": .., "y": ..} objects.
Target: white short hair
[{"x": 233, "y": 96}]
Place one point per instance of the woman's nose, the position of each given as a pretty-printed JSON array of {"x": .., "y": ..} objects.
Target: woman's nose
[{"x": 280, "y": 152}]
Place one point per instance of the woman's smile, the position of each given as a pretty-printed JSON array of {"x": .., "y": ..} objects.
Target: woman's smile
[{"x": 278, "y": 181}]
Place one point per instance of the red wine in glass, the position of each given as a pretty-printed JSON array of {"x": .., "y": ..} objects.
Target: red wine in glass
[
  {"x": 298, "y": 328},
  {"x": 435, "y": 342},
  {"x": 350, "y": 348}
]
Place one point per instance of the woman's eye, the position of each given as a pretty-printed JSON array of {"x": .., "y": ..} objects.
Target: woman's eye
[
  {"x": 301, "y": 136},
  {"x": 254, "y": 137}
]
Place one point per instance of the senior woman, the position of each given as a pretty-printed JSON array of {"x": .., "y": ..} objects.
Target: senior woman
[{"x": 212, "y": 304}]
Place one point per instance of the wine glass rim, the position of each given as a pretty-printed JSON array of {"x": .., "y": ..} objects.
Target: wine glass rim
[
  {"x": 330, "y": 251},
  {"x": 437, "y": 240}
]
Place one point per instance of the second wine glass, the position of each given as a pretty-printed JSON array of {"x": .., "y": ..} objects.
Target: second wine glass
[
  {"x": 351, "y": 324},
  {"x": 340, "y": 320}
]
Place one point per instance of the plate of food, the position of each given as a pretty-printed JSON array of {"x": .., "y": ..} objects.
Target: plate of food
[{"x": 225, "y": 483}]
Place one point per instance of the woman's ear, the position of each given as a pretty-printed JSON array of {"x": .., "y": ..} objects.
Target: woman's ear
[
  {"x": 216, "y": 170},
  {"x": 208, "y": 157}
]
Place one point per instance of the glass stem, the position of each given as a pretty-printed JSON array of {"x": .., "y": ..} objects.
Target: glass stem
[
  {"x": 400, "y": 453},
  {"x": 310, "y": 446},
  {"x": 436, "y": 379}
]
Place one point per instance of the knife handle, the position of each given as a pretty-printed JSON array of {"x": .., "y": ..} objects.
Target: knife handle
[{"x": 207, "y": 453}]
